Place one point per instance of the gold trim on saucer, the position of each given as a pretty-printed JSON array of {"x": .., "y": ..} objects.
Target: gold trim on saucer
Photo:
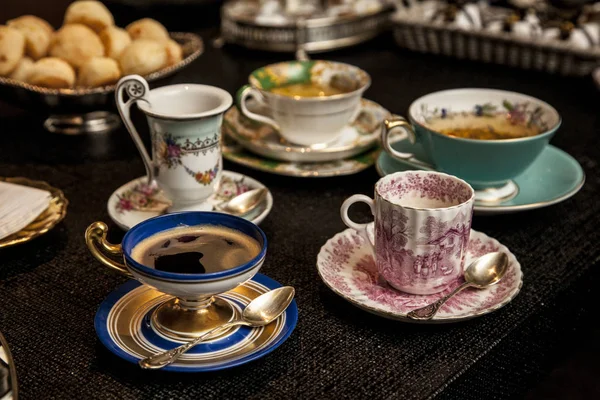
[
  {"x": 130, "y": 313},
  {"x": 56, "y": 212}
]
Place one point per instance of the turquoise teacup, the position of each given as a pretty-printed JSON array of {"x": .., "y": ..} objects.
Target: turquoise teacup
[{"x": 483, "y": 163}]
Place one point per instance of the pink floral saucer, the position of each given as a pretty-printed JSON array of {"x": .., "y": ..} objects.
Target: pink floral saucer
[
  {"x": 135, "y": 201},
  {"x": 345, "y": 263}
]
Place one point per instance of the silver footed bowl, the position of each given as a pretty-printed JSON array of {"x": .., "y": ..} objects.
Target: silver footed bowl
[{"x": 87, "y": 108}]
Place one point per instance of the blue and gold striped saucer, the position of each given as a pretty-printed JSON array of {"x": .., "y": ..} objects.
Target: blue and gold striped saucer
[{"x": 123, "y": 326}]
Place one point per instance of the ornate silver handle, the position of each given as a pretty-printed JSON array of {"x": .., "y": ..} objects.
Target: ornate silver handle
[
  {"x": 165, "y": 358},
  {"x": 427, "y": 312},
  {"x": 137, "y": 89}
]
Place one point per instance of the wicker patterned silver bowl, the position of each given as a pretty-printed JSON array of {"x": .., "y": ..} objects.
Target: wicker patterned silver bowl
[
  {"x": 75, "y": 110},
  {"x": 321, "y": 34},
  {"x": 498, "y": 48}
]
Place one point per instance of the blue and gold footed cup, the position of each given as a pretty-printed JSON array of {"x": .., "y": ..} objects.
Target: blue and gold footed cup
[
  {"x": 185, "y": 126},
  {"x": 486, "y": 137},
  {"x": 194, "y": 305}
]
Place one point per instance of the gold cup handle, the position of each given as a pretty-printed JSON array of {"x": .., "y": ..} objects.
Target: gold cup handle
[{"x": 95, "y": 238}]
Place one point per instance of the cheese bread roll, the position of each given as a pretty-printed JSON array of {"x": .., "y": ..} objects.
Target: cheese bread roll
[
  {"x": 174, "y": 52},
  {"x": 98, "y": 71},
  {"x": 143, "y": 57},
  {"x": 52, "y": 72},
  {"x": 92, "y": 14},
  {"x": 37, "y": 32},
  {"x": 12, "y": 48},
  {"x": 22, "y": 70},
  {"x": 76, "y": 44},
  {"x": 114, "y": 40},
  {"x": 147, "y": 28}
]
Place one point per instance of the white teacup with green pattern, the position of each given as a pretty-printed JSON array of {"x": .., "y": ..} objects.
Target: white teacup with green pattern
[
  {"x": 306, "y": 121},
  {"x": 185, "y": 125}
]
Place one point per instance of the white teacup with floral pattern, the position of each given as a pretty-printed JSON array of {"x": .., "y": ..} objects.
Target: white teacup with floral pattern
[
  {"x": 306, "y": 121},
  {"x": 422, "y": 228},
  {"x": 185, "y": 125}
]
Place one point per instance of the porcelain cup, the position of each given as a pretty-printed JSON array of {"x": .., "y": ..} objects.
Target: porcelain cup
[
  {"x": 196, "y": 305},
  {"x": 307, "y": 121},
  {"x": 185, "y": 124},
  {"x": 482, "y": 163},
  {"x": 422, "y": 228}
]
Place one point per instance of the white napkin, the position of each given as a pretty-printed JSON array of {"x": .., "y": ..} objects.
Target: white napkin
[{"x": 19, "y": 206}]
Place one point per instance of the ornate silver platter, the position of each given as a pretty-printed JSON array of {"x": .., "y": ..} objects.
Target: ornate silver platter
[
  {"x": 494, "y": 47},
  {"x": 321, "y": 33},
  {"x": 76, "y": 110}
]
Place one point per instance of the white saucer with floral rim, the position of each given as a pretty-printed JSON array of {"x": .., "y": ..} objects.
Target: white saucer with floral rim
[
  {"x": 345, "y": 263},
  {"x": 236, "y": 153},
  {"x": 135, "y": 201},
  {"x": 260, "y": 138}
]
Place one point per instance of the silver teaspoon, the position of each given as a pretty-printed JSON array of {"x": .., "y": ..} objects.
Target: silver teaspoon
[
  {"x": 244, "y": 203},
  {"x": 261, "y": 311},
  {"x": 481, "y": 273}
]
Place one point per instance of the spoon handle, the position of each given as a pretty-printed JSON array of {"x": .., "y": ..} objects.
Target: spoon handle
[
  {"x": 301, "y": 54},
  {"x": 165, "y": 358},
  {"x": 427, "y": 312}
]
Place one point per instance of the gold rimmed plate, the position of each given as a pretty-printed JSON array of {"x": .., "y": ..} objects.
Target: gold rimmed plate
[
  {"x": 123, "y": 324},
  {"x": 358, "y": 136},
  {"x": 56, "y": 212},
  {"x": 234, "y": 152}
]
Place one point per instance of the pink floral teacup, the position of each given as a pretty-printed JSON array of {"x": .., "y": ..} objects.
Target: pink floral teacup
[{"x": 422, "y": 227}]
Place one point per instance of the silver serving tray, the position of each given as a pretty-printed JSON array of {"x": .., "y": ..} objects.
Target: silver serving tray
[
  {"x": 494, "y": 47},
  {"x": 320, "y": 34},
  {"x": 84, "y": 100}
]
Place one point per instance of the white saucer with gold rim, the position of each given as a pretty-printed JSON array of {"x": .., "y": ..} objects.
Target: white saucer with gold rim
[{"x": 356, "y": 137}]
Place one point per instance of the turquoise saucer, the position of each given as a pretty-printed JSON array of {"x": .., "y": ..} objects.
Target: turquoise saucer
[{"x": 553, "y": 177}]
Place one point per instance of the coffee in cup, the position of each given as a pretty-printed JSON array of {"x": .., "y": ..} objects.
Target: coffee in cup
[
  {"x": 194, "y": 257},
  {"x": 201, "y": 249}
]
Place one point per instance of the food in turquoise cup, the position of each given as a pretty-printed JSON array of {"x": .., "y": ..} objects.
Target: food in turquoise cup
[{"x": 484, "y": 136}]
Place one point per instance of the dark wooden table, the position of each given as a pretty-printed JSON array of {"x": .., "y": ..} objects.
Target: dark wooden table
[{"x": 543, "y": 345}]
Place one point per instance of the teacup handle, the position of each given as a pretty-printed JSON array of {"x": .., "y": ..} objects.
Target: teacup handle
[
  {"x": 95, "y": 238},
  {"x": 398, "y": 122},
  {"x": 360, "y": 228},
  {"x": 242, "y": 96},
  {"x": 137, "y": 89},
  {"x": 392, "y": 124}
]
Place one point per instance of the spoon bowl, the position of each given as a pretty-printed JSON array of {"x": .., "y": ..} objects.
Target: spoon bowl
[
  {"x": 268, "y": 306},
  {"x": 244, "y": 203},
  {"x": 487, "y": 270}
]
